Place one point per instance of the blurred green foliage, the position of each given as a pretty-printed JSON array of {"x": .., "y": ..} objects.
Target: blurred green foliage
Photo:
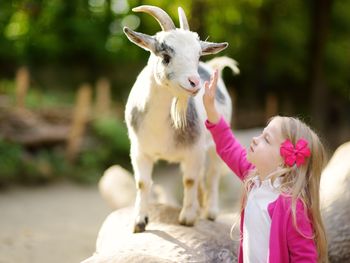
[
  {"x": 106, "y": 143},
  {"x": 264, "y": 35},
  {"x": 10, "y": 156},
  {"x": 112, "y": 131},
  {"x": 66, "y": 43},
  {"x": 69, "y": 42}
]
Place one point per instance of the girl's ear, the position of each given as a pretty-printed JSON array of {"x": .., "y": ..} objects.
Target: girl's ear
[{"x": 142, "y": 40}]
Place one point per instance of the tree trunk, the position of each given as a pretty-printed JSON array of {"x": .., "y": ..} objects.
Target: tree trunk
[
  {"x": 320, "y": 21},
  {"x": 264, "y": 42},
  {"x": 197, "y": 18}
]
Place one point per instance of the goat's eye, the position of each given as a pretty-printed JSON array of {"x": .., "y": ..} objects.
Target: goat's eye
[{"x": 166, "y": 59}]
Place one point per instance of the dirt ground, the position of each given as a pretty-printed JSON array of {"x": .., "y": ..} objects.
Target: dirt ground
[
  {"x": 54, "y": 223},
  {"x": 60, "y": 222}
]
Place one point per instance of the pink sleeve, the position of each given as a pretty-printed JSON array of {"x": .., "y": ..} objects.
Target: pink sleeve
[
  {"x": 301, "y": 244},
  {"x": 228, "y": 148}
]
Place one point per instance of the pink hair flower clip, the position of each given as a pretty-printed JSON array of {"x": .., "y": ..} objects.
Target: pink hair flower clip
[{"x": 295, "y": 154}]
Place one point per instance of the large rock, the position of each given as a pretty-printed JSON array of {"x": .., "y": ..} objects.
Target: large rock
[
  {"x": 335, "y": 197},
  {"x": 167, "y": 241},
  {"x": 164, "y": 240},
  {"x": 117, "y": 187}
]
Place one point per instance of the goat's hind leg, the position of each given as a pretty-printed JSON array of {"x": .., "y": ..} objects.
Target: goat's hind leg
[
  {"x": 143, "y": 167},
  {"x": 192, "y": 169}
]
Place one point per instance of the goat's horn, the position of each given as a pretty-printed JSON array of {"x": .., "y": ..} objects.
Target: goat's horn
[
  {"x": 159, "y": 14},
  {"x": 183, "y": 19}
]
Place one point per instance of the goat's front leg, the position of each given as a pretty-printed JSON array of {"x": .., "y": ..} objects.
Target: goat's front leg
[
  {"x": 192, "y": 169},
  {"x": 213, "y": 176},
  {"x": 143, "y": 166}
]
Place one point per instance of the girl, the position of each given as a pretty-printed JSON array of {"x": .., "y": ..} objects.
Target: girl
[{"x": 280, "y": 218}]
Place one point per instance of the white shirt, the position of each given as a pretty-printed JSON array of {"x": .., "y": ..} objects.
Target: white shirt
[{"x": 257, "y": 221}]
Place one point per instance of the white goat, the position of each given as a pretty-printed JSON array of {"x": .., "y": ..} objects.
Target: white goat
[{"x": 165, "y": 118}]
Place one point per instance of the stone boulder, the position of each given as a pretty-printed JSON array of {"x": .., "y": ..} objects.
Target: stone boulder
[
  {"x": 335, "y": 200},
  {"x": 164, "y": 240},
  {"x": 117, "y": 187}
]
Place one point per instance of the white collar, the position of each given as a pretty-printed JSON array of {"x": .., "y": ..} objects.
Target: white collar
[{"x": 267, "y": 182}]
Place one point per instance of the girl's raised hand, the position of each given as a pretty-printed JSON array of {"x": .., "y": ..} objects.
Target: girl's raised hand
[{"x": 209, "y": 98}]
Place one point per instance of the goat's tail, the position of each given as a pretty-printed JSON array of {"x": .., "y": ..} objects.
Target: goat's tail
[{"x": 221, "y": 62}]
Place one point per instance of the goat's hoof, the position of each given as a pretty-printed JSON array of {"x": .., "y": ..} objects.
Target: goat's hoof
[
  {"x": 187, "y": 217},
  {"x": 186, "y": 223},
  {"x": 211, "y": 215},
  {"x": 140, "y": 227}
]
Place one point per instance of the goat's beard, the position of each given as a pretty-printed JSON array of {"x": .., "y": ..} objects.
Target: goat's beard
[{"x": 178, "y": 112}]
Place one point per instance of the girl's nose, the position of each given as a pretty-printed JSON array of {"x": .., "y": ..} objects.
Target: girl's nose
[{"x": 255, "y": 140}]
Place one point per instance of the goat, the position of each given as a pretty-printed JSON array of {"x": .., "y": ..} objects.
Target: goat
[{"x": 165, "y": 115}]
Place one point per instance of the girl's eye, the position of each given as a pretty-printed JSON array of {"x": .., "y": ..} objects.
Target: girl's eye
[
  {"x": 266, "y": 139},
  {"x": 166, "y": 59}
]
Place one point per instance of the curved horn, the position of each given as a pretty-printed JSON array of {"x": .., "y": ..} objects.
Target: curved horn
[
  {"x": 183, "y": 19},
  {"x": 159, "y": 14}
]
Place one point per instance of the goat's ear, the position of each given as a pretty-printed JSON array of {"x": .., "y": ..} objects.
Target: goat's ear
[
  {"x": 212, "y": 48},
  {"x": 142, "y": 40}
]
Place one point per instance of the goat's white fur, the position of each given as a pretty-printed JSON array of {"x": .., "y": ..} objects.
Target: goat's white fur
[{"x": 156, "y": 110}]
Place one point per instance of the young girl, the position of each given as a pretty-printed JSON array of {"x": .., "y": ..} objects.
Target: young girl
[{"x": 280, "y": 219}]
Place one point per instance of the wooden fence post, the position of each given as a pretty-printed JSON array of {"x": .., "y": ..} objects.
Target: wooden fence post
[
  {"x": 80, "y": 119},
  {"x": 103, "y": 97},
  {"x": 22, "y": 84}
]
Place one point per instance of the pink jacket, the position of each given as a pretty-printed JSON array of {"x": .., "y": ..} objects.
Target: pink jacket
[{"x": 286, "y": 243}]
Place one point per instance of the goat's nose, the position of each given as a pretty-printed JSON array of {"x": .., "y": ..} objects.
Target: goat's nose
[{"x": 194, "y": 81}]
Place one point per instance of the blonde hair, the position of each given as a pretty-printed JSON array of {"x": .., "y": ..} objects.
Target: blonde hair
[{"x": 301, "y": 182}]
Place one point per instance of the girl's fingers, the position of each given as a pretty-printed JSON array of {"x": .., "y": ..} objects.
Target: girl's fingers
[
  {"x": 206, "y": 86},
  {"x": 215, "y": 79},
  {"x": 210, "y": 87},
  {"x": 213, "y": 82},
  {"x": 216, "y": 76}
]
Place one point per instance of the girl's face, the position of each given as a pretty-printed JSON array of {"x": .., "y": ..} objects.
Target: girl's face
[{"x": 264, "y": 150}]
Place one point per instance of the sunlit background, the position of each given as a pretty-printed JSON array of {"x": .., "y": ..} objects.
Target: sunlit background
[
  {"x": 294, "y": 58},
  {"x": 66, "y": 69}
]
